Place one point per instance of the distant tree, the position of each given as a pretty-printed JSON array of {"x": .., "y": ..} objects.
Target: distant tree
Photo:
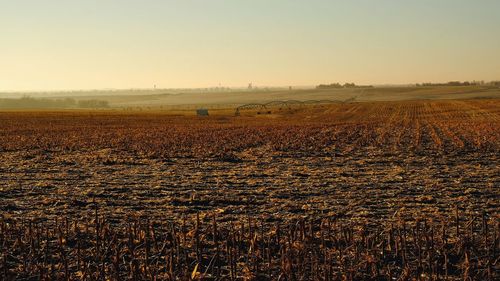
[
  {"x": 30, "y": 102},
  {"x": 339, "y": 86},
  {"x": 329, "y": 86},
  {"x": 93, "y": 104}
]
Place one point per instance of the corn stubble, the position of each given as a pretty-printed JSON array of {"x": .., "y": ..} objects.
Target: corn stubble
[
  {"x": 456, "y": 242},
  {"x": 201, "y": 248}
]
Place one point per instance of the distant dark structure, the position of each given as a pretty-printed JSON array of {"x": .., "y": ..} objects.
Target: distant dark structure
[
  {"x": 202, "y": 112},
  {"x": 265, "y": 108}
]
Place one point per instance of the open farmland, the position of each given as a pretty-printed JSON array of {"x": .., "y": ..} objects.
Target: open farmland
[{"x": 374, "y": 190}]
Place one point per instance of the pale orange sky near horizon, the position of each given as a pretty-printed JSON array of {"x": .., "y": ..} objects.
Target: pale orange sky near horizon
[{"x": 62, "y": 45}]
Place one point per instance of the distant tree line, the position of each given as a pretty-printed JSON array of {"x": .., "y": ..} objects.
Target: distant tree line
[
  {"x": 93, "y": 104},
  {"x": 340, "y": 86},
  {"x": 47, "y": 103},
  {"x": 452, "y": 83}
]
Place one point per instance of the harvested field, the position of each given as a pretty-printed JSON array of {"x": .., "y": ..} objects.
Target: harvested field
[{"x": 359, "y": 191}]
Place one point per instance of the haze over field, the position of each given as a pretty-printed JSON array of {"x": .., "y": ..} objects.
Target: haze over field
[{"x": 61, "y": 45}]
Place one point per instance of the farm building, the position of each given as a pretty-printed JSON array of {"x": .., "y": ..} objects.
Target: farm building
[{"x": 202, "y": 112}]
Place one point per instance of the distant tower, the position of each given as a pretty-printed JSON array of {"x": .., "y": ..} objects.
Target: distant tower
[{"x": 250, "y": 86}]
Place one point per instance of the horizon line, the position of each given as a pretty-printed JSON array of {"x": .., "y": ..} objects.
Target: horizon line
[{"x": 221, "y": 86}]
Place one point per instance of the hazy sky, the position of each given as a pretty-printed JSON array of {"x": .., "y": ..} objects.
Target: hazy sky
[{"x": 87, "y": 44}]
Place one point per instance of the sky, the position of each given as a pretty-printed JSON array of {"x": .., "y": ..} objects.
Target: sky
[{"x": 101, "y": 44}]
